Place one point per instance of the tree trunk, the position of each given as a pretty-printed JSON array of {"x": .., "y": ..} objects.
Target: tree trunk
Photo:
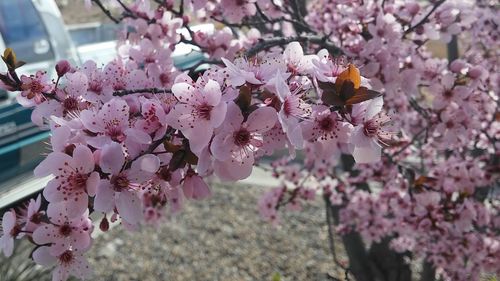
[
  {"x": 428, "y": 272},
  {"x": 388, "y": 264},
  {"x": 379, "y": 263}
]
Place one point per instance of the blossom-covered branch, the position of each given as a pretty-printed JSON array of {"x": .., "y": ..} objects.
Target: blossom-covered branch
[{"x": 402, "y": 145}]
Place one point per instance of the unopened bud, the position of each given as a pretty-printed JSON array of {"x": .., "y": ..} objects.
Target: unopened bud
[
  {"x": 62, "y": 67},
  {"x": 185, "y": 19},
  {"x": 104, "y": 225}
]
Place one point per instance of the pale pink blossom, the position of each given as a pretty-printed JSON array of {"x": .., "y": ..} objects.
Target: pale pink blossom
[
  {"x": 10, "y": 230},
  {"x": 74, "y": 179},
  {"x": 234, "y": 145},
  {"x": 199, "y": 111}
]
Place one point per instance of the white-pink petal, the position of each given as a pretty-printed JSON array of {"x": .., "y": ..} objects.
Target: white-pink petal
[
  {"x": 112, "y": 158},
  {"x": 262, "y": 119},
  {"x": 129, "y": 207},
  {"x": 83, "y": 159},
  {"x": 43, "y": 257},
  {"x": 212, "y": 93},
  {"x": 51, "y": 164},
  {"x": 104, "y": 200}
]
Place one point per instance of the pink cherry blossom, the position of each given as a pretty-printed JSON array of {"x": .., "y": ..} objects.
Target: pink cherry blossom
[
  {"x": 234, "y": 11},
  {"x": 63, "y": 232},
  {"x": 368, "y": 134},
  {"x": 199, "y": 111},
  {"x": 33, "y": 89},
  {"x": 295, "y": 59},
  {"x": 234, "y": 145},
  {"x": 31, "y": 216},
  {"x": 10, "y": 230},
  {"x": 111, "y": 123},
  {"x": 293, "y": 109},
  {"x": 122, "y": 187},
  {"x": 74, "y": 179},
  {"x": 194, "y": 187},
  {"x": 69, "y": 262}
]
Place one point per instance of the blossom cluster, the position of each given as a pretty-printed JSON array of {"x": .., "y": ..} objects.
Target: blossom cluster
[
  {"x": 138, "y": 135},
  {"x": 126, "y": 151}
]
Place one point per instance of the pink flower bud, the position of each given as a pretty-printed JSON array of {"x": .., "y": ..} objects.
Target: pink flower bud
[
  {"x": 457, "y": 66},
  {"x": 475, "y": 72},
  {"x": 185, "y": 19},
  {"x": 104, "y": 225},
  {"x": 413, "y": 8},
  {"x": 62, "y": 67}
]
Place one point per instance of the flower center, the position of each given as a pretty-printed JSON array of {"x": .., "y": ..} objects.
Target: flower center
[
  {"x": 66, "y": 257},
  {"x": 204, "y": 111},
  {"x": 36, "y": 218},
  {"x": 15, "y": 231},
  {"x": 448, "y": 93},
  {"x": 70, "y": 104},
  {"x": 65, "y": 230},
  {"x": 287, "y": 107},
  {"x": 78, "y": 180},
  {"x": 120, "y": 182},
  {"x": 326, "y": 124},
  {"x": 242, "y": 137},
  {"x": 95, "y": 87},
  {"x": 36, "y": 87},
  {"x": 165, "y": 79},
  {"x": 370, "y": 129},
  {"x": 115, "y": 133}
]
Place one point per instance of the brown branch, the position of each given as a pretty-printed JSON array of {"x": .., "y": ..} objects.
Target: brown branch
[
  {"x": 122, "y": 93},
  {"x": 425, "y": 19},
  {"x": 331, "y": 239},
  {"x": 268, "y": 43},
  {"x": 106, "y": 11}
]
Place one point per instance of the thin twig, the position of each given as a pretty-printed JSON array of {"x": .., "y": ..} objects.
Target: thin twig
[
  {"x": 268, "y": 43},
  {"x": 106, "y": 11},
  {"x": 137, "y": 91},
  {"x": 424, "y": 19}
]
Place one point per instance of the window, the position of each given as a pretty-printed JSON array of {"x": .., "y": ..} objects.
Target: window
[{"x": 23, "y": 30}]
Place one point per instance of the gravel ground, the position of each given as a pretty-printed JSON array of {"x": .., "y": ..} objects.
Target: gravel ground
[{"x": 221, "y": 238}]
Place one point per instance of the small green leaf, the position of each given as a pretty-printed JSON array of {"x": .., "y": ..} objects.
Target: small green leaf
[
  {"x": 244, "y": 99},
  {"x": 9, "y": 57},
  {"x": 276, "y": 276}
]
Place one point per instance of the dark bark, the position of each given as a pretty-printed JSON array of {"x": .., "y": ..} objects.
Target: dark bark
[
  {"x": 453, "y": 49},
  {"x": 355, "y": 248},
  {"x": 388, "y": 265},
  {"x": 428, "y": 272},
  {"x": 379, "y": 263}
]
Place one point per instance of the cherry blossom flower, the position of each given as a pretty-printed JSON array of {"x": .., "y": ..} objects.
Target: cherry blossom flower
[
  {"x": 69, "y": 262},
  {"x": 33, "y": 89},
  {"x": 194, "y": 187},
  {"x": 63, "y": 232},
  {"x": 122, "y": 187},
  {"x": 74, "y": 179},
  {"x": 326, "y": 128},
  {"x": 255, "y": 71},
  {"x": 199, "y": 112},
  {"x": 234, "y": 145},
  {"x": 234, "y": 11},
  {"x": 111, "y": 123},
  {"x": 31, "y": 216},
  {"x": 10, "y": 230},
  {"x": 293, "y": 109},
  {"x": 296, "y": 61},
  {"x": 368, "y": 134}
]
